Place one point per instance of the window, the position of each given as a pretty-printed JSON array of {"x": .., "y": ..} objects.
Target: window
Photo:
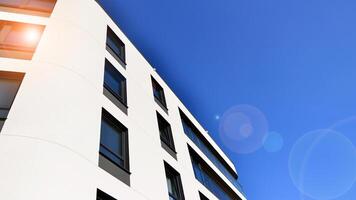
[
  {"x": 19, "y": 40},
  {"x": 113, "y": 140},
  {"x": 165, "y": 131},
  {"x": 206, "y": 176},
  {"x": 115, "y": 46},
  {"x": 36, "y": 7},
  {"x": 115, "y": 86},
  {"x": 158, "y": 93},
  {"x": 9, "y": 84},
  {"x": 100, "y": 195},
  {"x": 174, "y": 184},
  {"x": 114, "y": 148},
  {"x": 194, "y": 134},
  {"x": 115, "y": 82},
  {"x": 202, "y": 196}
]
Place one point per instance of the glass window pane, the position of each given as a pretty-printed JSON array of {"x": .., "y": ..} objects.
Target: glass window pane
[
  {"x": 193, "y": 134},
  {"x": 3, "y": 113},
  {"x": 1, "y": 124},
  {"x": 209, "y": 179},
  {"x": 111, "y": 156},
  {"x": 169, "y": 184},
  {"x": 172, "y": 186},
  {"x": 8, "y": 90},
  {"x": 115, "y": 44},
  {"x": 103, "y": 196},
  {"x": 158, "y": 92},
  {"x": 114, "y": 81},
  {"x": 165, "y": 131},
  {"x": 165, "y": 135},
  {"x": 111, "y": 138}
]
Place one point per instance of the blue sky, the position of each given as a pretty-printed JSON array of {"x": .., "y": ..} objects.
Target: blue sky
[{"x": 292, "y": 61}]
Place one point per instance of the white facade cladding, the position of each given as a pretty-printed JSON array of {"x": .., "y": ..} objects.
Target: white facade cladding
[{"x": 83, "y": 115}]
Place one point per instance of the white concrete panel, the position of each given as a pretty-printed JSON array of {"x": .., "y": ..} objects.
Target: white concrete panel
[{"x": 49, "y": 144}]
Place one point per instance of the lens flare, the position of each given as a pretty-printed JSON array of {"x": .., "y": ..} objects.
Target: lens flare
[
  {"x": 243, "y": 128},
  {"x": 32, "y": 36},
  {"x": 322, "y": 164}
]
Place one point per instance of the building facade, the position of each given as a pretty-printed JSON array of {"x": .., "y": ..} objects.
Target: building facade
[{"x": 83, "y": 115}]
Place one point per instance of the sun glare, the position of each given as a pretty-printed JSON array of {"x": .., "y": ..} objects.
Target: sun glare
[{"x": 32, "y": 35}]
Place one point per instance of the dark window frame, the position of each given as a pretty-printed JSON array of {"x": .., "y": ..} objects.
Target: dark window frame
[
  {"x": 206, "y": 172},
  {"x": 161, "y": 98},
  {"x": 202, "y": 196},
  {"x": 187, "y": 121},
  {"x": 120, "y": 56},
  {"x": 109, "y": 67},
  {"x": 164, "y": 126},
  {"x": 172, "y": 173},
  {"x": 16, "y": 76},
  {"x": 100, "y": 195},
  {"x": 111, "y": 120}
]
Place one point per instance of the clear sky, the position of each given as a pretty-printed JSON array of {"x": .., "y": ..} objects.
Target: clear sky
[{"x": 273, "y": 82}]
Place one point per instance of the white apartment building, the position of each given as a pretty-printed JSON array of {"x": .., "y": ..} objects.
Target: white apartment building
[{"x": 83, "y": 115}]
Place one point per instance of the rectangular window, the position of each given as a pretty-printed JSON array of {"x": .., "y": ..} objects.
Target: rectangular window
[
  {"x": 174, "y": 184},
  {"x": 115, "y": 82},
  {"x": 19, "y": 40},
  {"x": 208, "y": 177},
  {"x": 115, "y": 86},
  {"x": 115, "y": 46},
  {"x": 100, "y": 195},
  {"x": 166, "y": 135},
  {"x": 9, "y": 85},
  {"x": 158, "y": 93},
  {"x": 35, "y": 7},
  {"x": 114, "y": 140}
]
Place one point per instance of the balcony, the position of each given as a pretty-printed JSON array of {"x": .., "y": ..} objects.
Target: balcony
[
  {"x": 34, "y": 7},
  {"x": 207, "y": 177},
  {"x": 211, "y": 155}
]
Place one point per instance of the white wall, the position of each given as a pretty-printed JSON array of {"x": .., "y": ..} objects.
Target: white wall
[{"x": 49, "y": 144}]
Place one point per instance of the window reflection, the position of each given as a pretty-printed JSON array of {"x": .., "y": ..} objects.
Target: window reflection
[
  {"x": 194, "y": 135},
  {"x": 206, "y": 176},
  {"x": 9, "y": 84},
  {"x": 113, "y": 140},
  {"x": 115, "y": 46},
  {"x": 115, "y": 82}
]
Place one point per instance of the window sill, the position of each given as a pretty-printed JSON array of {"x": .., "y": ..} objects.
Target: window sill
[
  {"x": 117, "y": 57},
  {"x": 171, "y": 151},
  {"x": 164, "y": 108},
  {"x": 115, "y": 170},
  {"x": 115, "y": 100}
]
